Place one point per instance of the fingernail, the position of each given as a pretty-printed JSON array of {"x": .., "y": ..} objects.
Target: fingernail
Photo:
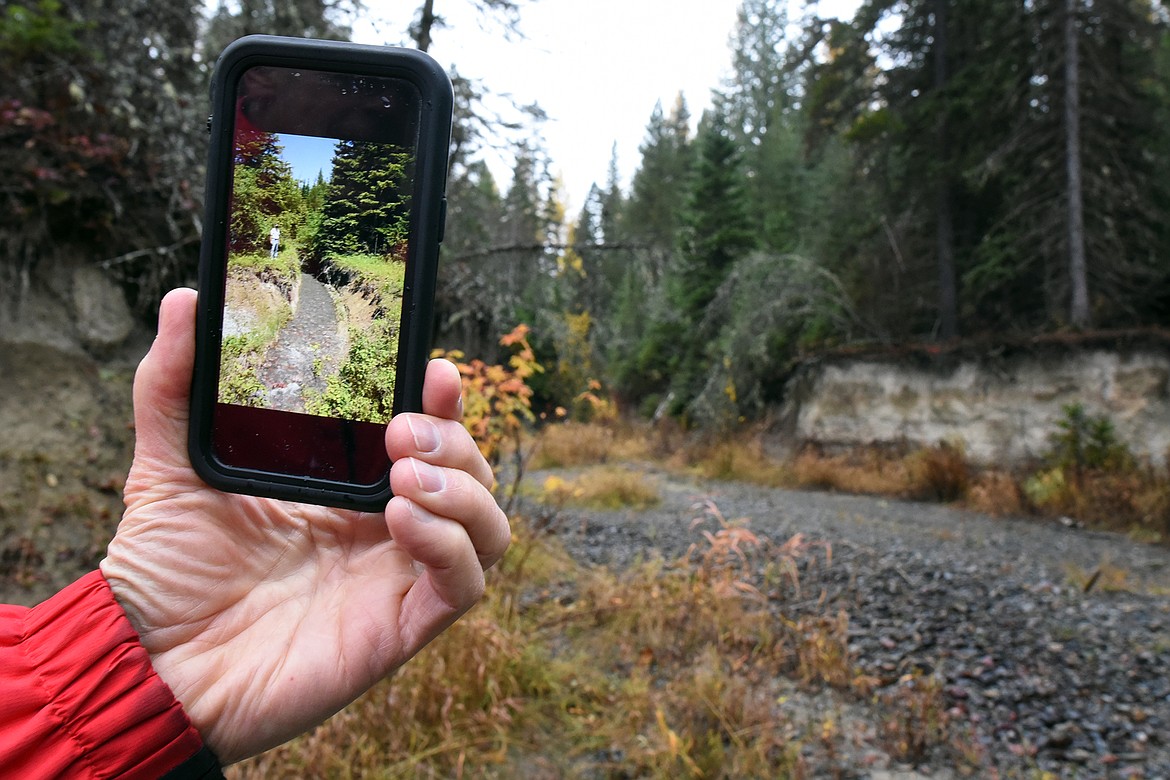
[
  {"x": 426, "y": 435},
  {"x": 430, "y": 479},
  {"x": 417, "y": 513}
]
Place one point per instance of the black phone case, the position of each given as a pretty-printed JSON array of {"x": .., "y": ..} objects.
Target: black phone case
[{"x": 429, "y": 213}]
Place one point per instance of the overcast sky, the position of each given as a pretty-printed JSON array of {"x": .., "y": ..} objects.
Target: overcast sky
[{"x": 597, "y": 68}]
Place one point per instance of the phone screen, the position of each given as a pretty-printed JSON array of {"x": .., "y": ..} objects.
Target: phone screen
[{"x": 317, "y": 243}]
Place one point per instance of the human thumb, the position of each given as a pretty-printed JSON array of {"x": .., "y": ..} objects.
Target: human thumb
[{"x": 162, "y": 384}]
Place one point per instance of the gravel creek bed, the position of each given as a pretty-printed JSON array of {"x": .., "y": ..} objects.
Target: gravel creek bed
[
  {"x": 1048, "y": 676},
  {"x": 309, "y": 348}
]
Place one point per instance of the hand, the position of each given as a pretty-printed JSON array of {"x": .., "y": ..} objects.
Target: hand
[{"x": 265, "y": 617}]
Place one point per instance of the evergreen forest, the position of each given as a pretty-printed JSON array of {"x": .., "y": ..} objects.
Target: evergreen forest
[
  {"x": 926, "y": 171},
  {"x": 706, "y": 596},
  {"x": 363, "y": 208}
]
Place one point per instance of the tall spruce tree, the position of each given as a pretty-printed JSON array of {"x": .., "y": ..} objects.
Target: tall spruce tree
[
  {"x": 759, "y": 90},
  {"x": 717, "y": 233},
  {"x": 517, "y": 265},
  {"x": 601, "y": 241},
  {"x": 368, "y": 208},
  {"x": 464, "y": 296},
  {"x": 328, "y": 19},
  {"x": 760, "y": 100},
  {"x": 642, "y": 350},
  {"x": 1114, "y": 153},
  {"x": 930, "y": 133},
  {"x": 965, "y": 137},
  {"x": 659, "y": 190},
  {"x": 717, "y": 230}
]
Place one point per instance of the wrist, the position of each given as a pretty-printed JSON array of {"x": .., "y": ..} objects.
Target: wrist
[{"x": 99, "y": 693}]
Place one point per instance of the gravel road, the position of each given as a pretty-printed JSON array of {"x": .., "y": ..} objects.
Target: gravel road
[{"x": 1049, "y": 671}]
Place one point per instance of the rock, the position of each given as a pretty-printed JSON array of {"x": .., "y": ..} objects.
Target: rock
[
  {"x": 101, "y": 316},
  {"x": 34, "y": 308},
  {"x": 1061, "y": 736}
]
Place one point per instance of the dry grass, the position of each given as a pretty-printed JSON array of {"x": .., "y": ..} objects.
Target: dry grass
[
  {"x": 262, "y": 305},
  {"x": 357, "y": 309},
  {"x": 997, "y": 493},
  {"x": 939, "y": 473},
  {"x": 916, "y": 721},
  {"x": 744, "y": 461},
  {"x": 1135, "y": 499},
  {"x": 608, "y": 487},
  {"x": 668, "y": 670},
  {"x": 1132, "y": 497},
  {"x": 867, "y": 471},
  {"x": 586, "y": 444}
]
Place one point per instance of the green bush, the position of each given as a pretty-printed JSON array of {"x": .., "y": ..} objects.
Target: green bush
[
  {"x": 1085, "y": 442},
  {"x": 363, "y": 388},
  {"x": 238, "y": 381}
]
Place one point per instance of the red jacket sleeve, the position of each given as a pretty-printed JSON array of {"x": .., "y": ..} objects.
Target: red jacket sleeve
[{"x": 78, "y": 696}]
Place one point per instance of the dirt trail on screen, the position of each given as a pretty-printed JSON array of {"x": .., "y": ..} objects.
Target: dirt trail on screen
[{"x": 308, "y": 349}]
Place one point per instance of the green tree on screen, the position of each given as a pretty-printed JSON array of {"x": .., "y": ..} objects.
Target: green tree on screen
[
  {"x": 368, "y": 205},
  {"x": 264, "y": 193}
]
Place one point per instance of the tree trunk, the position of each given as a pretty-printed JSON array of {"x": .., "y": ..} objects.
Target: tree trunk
[
  {"x": 945, "y": 236},
  {"x": 426, "y": 21},
  {"x": 1078, "y": 273}
]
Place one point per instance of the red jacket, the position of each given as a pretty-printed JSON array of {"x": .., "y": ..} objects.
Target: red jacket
[{"x": 79, "y": 698}]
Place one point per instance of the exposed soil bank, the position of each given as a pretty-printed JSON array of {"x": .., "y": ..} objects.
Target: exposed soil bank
[{"x": 1002, "y": 403}]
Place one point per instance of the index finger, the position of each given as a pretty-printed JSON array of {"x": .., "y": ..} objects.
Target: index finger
[
  {"x": 442, "y": 390},
  {"x": 439, "y": 442}
]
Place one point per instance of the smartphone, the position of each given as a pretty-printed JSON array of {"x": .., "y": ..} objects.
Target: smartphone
[{"x": 324, "y": 213}]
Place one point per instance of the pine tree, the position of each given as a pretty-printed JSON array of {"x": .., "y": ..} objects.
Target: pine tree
[
  {"x": 642, "y": 341},
  {"x": 296, "y": 18},
  {"x": 717, "y": 230},
  {"x": 658, "y": 193},
  {"x": 717, "y": 233},
  {"x": 465, "y": 298},
  {"x": 598, "y": 245},
  {"x": 368, "y": 208},
  {"x": 965, "y": 141},
  {"x": 509, "y": 262},
  {"x": 760, "y": 100},
  {"x": 263, "y": 193},
  {"x": 1123, "y": 167},
  {"x": 760, "y": 89},
  {"x": 507, "y": 12},
  {"x": 930, "y": 136}
]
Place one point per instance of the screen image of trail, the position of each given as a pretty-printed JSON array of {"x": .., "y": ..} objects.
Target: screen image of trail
[{"x": 317, "y": 248}]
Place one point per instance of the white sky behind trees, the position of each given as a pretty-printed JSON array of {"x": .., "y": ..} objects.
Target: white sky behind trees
[{"x": 596, "y": 67}]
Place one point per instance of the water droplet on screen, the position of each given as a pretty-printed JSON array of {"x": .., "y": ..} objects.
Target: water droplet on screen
[{"x": 385, "y": 102}]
